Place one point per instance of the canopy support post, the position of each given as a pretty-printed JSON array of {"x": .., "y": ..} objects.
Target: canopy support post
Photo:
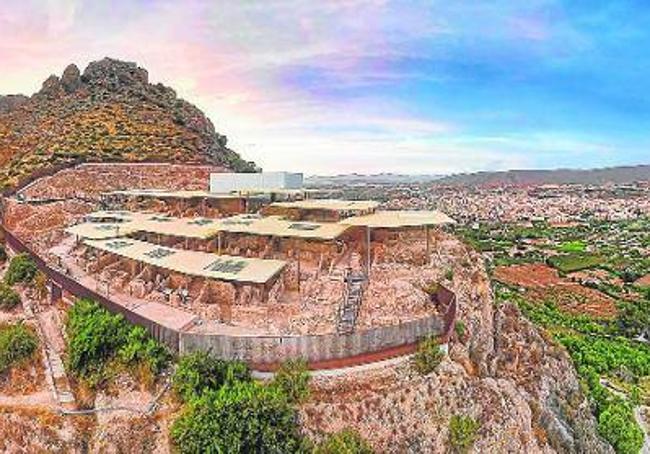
[{"x": 368, "y": 251}]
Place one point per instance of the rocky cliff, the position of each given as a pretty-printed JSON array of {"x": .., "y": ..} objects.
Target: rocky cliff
[
  {"x": 502, "y": 371},
  {"x": 110, "y": 112}
]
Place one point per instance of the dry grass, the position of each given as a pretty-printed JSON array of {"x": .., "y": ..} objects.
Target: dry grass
[{"x": 25, "y": 377}]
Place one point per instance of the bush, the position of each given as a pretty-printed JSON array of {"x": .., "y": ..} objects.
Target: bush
[
  {"x": 140, "y": 348},
  {"x": 460, "y": 328},
  {"x": 347, "y": 441},
  {"x": 607, "y": 355},
  {"x": 617, "y": 425},
  {"x": 21, "y": 269},
  {"x": 199, "y": 372},
  {"x": 634, "y": 317},
  {"x": 9, "y": 298},
  {"x": 616, "y": 421},
  {"x": 463, "y": 431},
  {"x": 17, "y": 342},
  {"x": 239, "y": 417},
  {"x": 95, "y": 337},
  {"x": 432, "y": 288},
  {"x": 292, "y": 378},
  {"x": 428, "y": 355}
]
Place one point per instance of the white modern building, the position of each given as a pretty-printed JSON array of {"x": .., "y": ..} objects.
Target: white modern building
[{"x": 229, "y": 182}]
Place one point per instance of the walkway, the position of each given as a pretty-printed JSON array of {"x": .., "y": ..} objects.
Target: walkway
[{"x": 53, "y": 348}]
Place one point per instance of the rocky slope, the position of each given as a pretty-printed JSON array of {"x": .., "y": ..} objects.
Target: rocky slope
[
  {"x": 110, "y": 112},
  {"x": 503, "y": 372}
]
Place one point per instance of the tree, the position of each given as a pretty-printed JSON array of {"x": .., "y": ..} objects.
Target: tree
[
  {"x": 238, "y": 418},
  {"x": 615, "y": 423},
  {"x": 95, "y": 337},
  {"x": 199, "y": 372},
  {"x": 22, "y": 269}
]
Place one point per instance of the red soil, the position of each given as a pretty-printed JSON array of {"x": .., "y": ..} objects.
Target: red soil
[
  {"x": 530, "y": 275},
  {"x": 544, "y": 284}
]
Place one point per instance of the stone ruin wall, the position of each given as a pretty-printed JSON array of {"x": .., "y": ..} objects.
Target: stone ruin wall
[
  {"x": 72, "y": 193},
  {"x": 213, "y": 208},
  {"x": 89, "y": 180}
]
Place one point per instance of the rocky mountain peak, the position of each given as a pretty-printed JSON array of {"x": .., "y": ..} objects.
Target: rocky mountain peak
[
  {"x": 107, "y": 112},
  {"x": 51, "y": 87},
  {"x": 114, "y": 74},
  {"x": 71, "y": 78}
]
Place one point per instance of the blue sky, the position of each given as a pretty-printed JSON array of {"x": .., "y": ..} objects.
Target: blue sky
[{"x": 373, "y": 85}]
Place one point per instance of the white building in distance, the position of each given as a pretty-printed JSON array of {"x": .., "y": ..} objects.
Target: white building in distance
[{"x": 232, "y": 182}]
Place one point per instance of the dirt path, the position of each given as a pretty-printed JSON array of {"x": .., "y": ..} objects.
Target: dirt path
[
  {"x": 39, "y": 399},
  {"x": 53, "y": 346}
]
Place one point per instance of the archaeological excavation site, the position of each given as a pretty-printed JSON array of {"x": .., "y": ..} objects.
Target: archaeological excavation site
[{"x": 246, "y": 266}]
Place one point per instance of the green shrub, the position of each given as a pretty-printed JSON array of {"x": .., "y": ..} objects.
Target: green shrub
[
  {"x": 606, "y": 355},
  {"x": 9, "y": 298},
  {"x": 21, "y": 269},
  {"x": 460, "y": 328},
  {"x": 616, "y": 421},
  {"x": 239, "y": 417},
  {"x": 617, "y": 425},
  {"x": 17, "y": 342},
  {"x": 140, "y": 348},
  {"x": 346, "y": 441},
  {"x": 292, "y": 378},
  {"x": 432, "y": 288},
  {"x": 199, "y": 372},
  {"x": 634, "y": 317},
  {"x": 463, "y": 431},
  {"x": 428, "y": 355},
  {"x": 96, "y": 337}
]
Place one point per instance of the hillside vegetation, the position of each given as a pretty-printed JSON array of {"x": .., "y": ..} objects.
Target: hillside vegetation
[{"x": 108, "y": 113}]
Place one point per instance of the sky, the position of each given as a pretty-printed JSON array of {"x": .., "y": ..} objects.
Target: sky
[{"x": 369, "y": 86}]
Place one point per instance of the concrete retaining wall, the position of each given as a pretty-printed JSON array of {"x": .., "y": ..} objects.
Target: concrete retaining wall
[{"x": 266, "y": 351}]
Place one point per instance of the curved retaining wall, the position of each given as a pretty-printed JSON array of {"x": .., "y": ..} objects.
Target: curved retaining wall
[{"x": 266, "y": 353}]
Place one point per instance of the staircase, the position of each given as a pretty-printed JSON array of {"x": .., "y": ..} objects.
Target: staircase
[{"x": 351, "y": 303}]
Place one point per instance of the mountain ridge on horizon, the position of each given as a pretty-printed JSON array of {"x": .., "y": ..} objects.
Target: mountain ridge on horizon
[{"x": 597, "y": 175}]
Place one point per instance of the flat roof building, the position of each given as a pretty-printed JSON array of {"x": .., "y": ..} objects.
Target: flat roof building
[{"x": 224, "y": 183}]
